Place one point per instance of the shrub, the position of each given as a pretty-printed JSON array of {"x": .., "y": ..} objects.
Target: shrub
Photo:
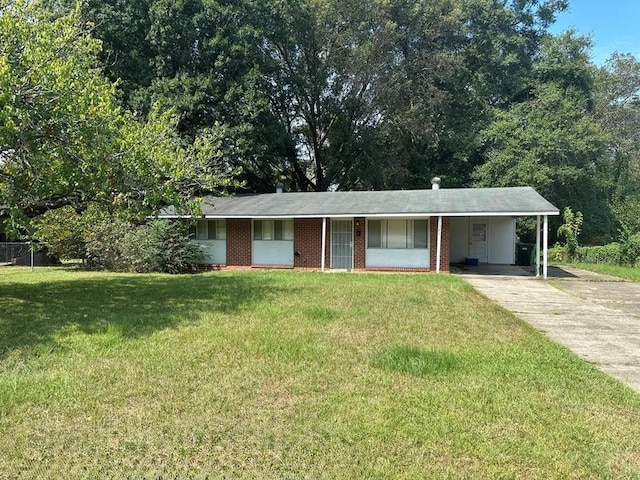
[
  {"x": 599, "y": 254},
  {"x": 610, "y": 253},
  {"x": 104, "y": 244},
  {"x": 630, "y": 249},
  {"x": 558, "y": 253},
  {"x": 159, "y": 246},
  {"x": 168, "y": 248}
]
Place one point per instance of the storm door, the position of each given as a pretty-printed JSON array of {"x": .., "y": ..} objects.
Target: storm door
[{"x": 341, "y": 245}]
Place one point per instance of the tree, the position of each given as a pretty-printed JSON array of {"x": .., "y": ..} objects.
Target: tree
[
  {"x": 324, "y": 93},
  {"x": 550, "y": 141},
  {"x": 570, "y": 230},
  {"x": 501, "y": 41},
  {"x": 65, "y": 141},
  {"x": 617, "y": 111}
]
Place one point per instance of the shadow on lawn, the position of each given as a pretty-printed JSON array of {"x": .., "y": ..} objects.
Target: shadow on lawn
[{"x": 32, "y": 313}]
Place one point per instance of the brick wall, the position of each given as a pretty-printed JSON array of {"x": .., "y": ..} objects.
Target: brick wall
[
  {"x": 238, "y": 242},
  {"x": 444, "y": 246},
  {"x": 307, "y": 233},
  {"x": 307, "y": 242},
  {"x": 359, "y": 243}
]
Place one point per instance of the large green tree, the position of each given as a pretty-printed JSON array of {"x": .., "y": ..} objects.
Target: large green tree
[
  {"x": 550, "y": 140},
  {"x": 617, "y": 105},
  {"x": 64, "y": 139},
  {"x": 325, "y": 93}
]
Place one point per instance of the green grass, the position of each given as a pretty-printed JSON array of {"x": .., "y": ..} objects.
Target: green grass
[
  {"x": 629, "y": 273},
  {"x": 293, "y": 375}
]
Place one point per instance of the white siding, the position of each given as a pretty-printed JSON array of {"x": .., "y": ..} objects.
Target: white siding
[
  {"x": 397, "y": 257},
  {"x": 215, "y": 251},
  {"x": 501, "y": 240},
  {"x": 272, "y": 252},
  {"x": 501, "y": 233}
]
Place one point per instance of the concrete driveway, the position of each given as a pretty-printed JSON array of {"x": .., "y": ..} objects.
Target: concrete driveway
[{"x": 596, "y": 316}]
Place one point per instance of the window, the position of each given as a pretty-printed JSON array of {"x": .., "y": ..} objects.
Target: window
[
  {"x": 374, "y": 229},
  {"x": 211, "y": 230},
  {"x": 397, "y": 233},
  {"x": 273, "y": 229},
  {"x": 420, "y": 234}
]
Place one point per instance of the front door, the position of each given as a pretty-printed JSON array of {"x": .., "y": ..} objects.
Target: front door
[
  {"x": 341, "y": 244},
  {"x": 478, "y": 240}
]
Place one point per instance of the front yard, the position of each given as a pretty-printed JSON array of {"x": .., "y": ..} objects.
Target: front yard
[{"x": 297, "y": 375}]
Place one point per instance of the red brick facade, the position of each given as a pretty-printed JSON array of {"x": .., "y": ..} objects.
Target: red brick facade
[
  {"x": 359, "y": 243},
  {"x": 433, "y": 244},
  {"x": 307, "y": 243},
  {"x": 307, "y": 247},
  {"x": 239, "y": 242}
]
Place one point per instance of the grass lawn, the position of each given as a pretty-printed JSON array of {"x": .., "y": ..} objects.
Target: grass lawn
[
  {"x": 293, "y": 375},
  {"x": 630, "y": 273}
]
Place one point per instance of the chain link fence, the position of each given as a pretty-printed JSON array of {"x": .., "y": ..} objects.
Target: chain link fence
[{"x": 12, "y": 252}]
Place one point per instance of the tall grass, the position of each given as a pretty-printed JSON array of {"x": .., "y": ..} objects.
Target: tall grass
[{"x": 293, "y": 375}]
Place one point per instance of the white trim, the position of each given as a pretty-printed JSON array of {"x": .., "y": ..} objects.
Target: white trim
[
  {"x": 370, "y": 215},
  {"x": 537, "y": 246},
  {"x": 439, "y": 244},
  {"x": 324, "y": 243},
  {"x": 545, "y": 246}
]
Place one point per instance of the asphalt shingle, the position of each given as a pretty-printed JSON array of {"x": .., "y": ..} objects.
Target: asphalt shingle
[{"x": 521, "y": 201}]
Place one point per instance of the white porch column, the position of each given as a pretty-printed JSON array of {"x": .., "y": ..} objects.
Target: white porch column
[
  {"x": 545, "y": 246},
  {"x": 324, "y": 242},
  {"x": 538, "y": 246},
  {"x": 439, "y": 244}
]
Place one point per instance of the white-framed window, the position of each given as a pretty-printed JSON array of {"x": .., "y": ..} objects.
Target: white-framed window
[
  {"x": 273, "y": 229},
  {"x": 211, "y": 229},
  {"x": 397, "y": 233}
]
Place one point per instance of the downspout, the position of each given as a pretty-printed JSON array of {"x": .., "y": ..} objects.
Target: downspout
[
  {"x": 439, "y": 244},
  {"x": 538, "y": 246},
  {"x": 545, "y": 243},
  {"x": 324, "y": 242}
]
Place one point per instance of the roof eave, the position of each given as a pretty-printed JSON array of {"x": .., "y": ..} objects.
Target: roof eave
[{"x": 375, "y": 215}]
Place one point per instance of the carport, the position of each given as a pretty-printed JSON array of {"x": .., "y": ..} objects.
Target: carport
[{"x": 483, "y": 230}]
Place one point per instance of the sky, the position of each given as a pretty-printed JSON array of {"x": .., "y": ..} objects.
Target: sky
[{"x": 613, "y": 25}]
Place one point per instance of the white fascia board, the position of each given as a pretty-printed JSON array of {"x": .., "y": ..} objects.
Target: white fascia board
[
  {"x": 373, "y": 215},
  {"x": 499, "y": 214}
]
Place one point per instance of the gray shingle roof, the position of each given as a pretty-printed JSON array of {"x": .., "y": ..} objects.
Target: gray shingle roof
[{"x": 512, "y": 201}]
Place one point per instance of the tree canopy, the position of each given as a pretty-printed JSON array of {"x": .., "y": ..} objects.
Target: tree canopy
[
  {"x": 64, "y": 138},
  {"x": 139, "y": 102}
]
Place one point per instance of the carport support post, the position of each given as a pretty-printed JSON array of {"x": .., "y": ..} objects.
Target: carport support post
[
  {"x": 538, "y": 246},
  {"x": 545, "y": 245},
  {"x": 439, "y": 244},
  {"x": 324, "y": 242}
]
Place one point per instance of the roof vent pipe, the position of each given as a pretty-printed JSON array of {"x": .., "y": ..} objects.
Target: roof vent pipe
[
  {"x": 279, "y": 187},
  {"x": 435, "y": 183}
]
